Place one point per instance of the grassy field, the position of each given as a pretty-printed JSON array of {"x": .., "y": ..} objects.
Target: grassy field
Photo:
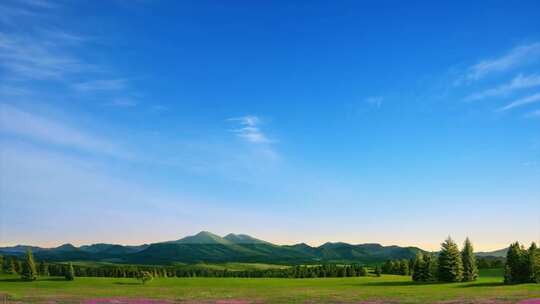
[{"x": 385, "y": 289}]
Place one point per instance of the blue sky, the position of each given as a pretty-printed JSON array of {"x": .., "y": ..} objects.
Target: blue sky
[{"x": 305, "y": 121}]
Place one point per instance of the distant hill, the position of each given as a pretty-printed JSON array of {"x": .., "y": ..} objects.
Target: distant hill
[
  {"x": 243, "y": 239},
  {"x": 496, "y": 253},
  {"x": 203, "y": 237},
  {"x": 206, "y": 247}
]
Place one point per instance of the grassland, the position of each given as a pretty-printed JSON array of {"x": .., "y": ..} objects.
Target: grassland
[{"x": 385, "y": 289}]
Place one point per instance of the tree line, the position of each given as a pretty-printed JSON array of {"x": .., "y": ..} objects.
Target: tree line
[
  {"x": 28, "y": 269},
  {"x": 450, "y": 265}
]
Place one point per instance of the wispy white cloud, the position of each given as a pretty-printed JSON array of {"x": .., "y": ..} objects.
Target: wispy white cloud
[
  {"x": 101, "y": 85},
  {"x": 30, "y": 58},
  {"x": 249, "y": 129},
  {"x": 518, "y": 56},
  {"x": 519, "y": 82},
  {"x": 11, "y": 13},
  {"x": 375, "y": 100},
  {"x": 521, "y": 102},
  {"x": 18, "y": 122}
]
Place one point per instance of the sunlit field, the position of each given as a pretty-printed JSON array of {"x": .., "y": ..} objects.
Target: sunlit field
[{"x": 385, "y": 289}]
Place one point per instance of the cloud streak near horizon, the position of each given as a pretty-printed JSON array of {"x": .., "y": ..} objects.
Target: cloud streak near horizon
[{"x": 18, "y": 122}]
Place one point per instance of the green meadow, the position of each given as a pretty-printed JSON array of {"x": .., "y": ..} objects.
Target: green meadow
[{"x": 384, "y": 289}]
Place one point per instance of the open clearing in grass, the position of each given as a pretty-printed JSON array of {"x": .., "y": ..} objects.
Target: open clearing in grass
[{"x": 386, "y": 289}]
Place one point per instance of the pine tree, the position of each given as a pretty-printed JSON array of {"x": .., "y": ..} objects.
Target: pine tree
[
  {"x": 70, "y": 272},
  {"x": 429, "y": 272},
  {"x": 533, "y": 264},
  {"x": 418, "y": 268},
  {"x": 450, "y": 263},
  {"x": 516, "y": 264},
  {"x": 1, "y": 263},
  {"x": 470, "y": 269},
  {"x": 29, "y": 272}
]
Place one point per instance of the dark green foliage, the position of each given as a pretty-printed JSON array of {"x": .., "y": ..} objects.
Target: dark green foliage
[
  {"x": 129, "y": 271},
  {"x": 378, "y": 271},
  {"x": 399, "y": 267},
  {"x": 29, "y": 272},
  {"x": 1, "y": 263},
  {"x": 12, "y": 269},
  {"x": 450, "y": 263},
  {"x": 19, "y": 266},
  {"x": 508, "y": 275},
  {"x": 418, "y": 268},
  {"x": 516, "y": 264},
  {"x": 404, "y": 267},
  {"x": 533, "y": 264},
  {"x": 69, "y": 273},
  {"x": 522, "y": 266},
  {"x": 43, "y": 269},
  {"x": 424, "y": 268},
  {"x": 490, "y": 262},
  {"x": 470, "y": 269},
  {"x": 430, "y": 268}
]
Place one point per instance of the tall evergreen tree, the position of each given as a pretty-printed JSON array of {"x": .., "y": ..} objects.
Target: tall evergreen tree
[
  {"x": 418, "y": 268},
  {"x": 29, "y": 272},
  {"x": 533, "y": 264},
  {"x": 430, "y": 269},
  {"x": 70, "y": 273},
  {"x": 470, "y": 269},
  {"x": 516, "y": 264},
  {"x": 450, "y": 263}
]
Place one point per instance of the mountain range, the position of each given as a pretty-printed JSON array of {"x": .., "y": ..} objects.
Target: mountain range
[{"x": 206, "y": 247}]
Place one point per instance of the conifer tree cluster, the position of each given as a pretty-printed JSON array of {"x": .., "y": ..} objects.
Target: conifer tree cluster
[
  {"x": 522, "y": 265},
  {"x": 450, "y": 266},
  {"x": 425, "y": 267},
  {"x": 399, "y": 267}
]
